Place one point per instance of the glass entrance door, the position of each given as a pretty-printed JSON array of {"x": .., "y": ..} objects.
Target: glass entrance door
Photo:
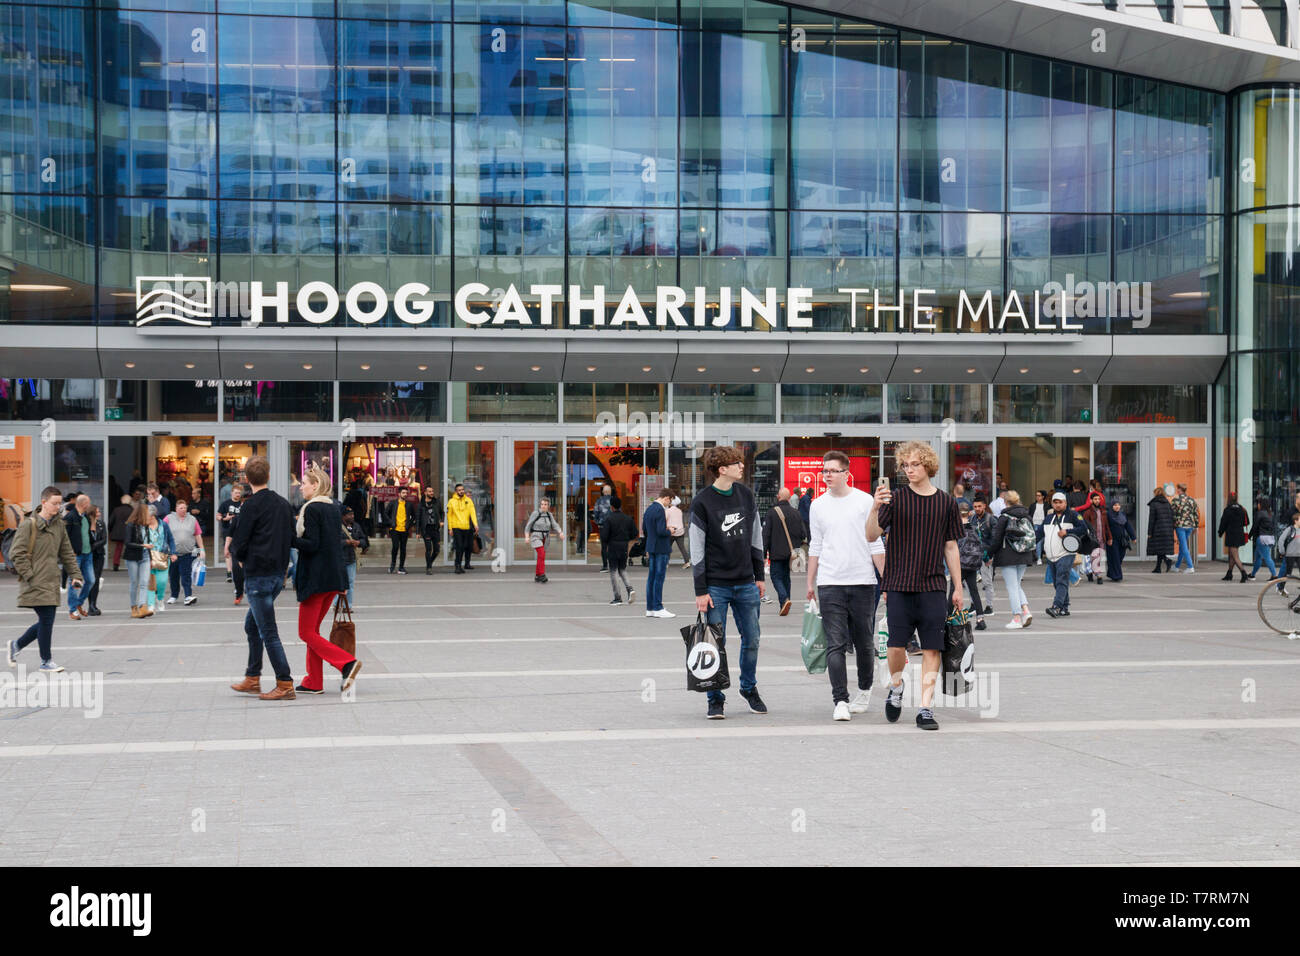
[
  {"x": 537, "y": 476},
  {"x": 1116, "y": 466}
]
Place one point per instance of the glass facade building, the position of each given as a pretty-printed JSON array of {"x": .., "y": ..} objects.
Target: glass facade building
[{"x": 558, "y": 161}]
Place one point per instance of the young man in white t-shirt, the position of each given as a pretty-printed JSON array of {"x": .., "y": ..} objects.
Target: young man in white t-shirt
[{"x": 842, "y": 566}]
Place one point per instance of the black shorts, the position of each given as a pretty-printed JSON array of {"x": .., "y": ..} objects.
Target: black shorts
[{"x": 923, "y": 613}]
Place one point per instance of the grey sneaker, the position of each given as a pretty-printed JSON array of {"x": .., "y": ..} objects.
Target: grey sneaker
[
  {"x": 50, "y": 666},
  {"x": 13, "y": 653}
]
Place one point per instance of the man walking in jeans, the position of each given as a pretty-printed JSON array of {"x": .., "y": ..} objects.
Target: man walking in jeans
[
  {"x": 842, "y": 565},
  {"x": 727, "y": 564},
  {"x": 659, "y": 551},
  {"x": 1061, "y": 520},
  {"x": 78, "y": 523},
  {"x": 1187, "y": 518},
  {"x": 261, "y": 545}
]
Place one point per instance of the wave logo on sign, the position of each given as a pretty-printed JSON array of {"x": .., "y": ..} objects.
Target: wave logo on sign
[
  {"x": 186, "y": 299},
  {"x": 703, "y": 661}
]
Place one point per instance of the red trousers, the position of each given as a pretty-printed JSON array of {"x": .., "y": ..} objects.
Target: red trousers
[
  {"x": 310, "y": 614},
  {"x": 541, "y": 560}
]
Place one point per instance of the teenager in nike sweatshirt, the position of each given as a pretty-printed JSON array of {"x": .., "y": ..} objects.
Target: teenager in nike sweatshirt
[{"x": 727, "y": 563}]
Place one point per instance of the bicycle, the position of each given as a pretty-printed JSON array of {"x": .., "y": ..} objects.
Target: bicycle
[{"x": 1279, "y": 606}]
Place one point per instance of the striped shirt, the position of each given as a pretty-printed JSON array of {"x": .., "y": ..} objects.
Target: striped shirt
[{"x": 919, "y": 526}]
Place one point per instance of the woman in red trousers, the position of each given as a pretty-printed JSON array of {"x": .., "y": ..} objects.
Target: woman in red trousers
[{"x": 319, "y": 578}]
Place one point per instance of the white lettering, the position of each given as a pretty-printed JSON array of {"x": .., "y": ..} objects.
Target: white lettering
[
  {"x": 669, "y": 300},
  {"x": 462, "y": 303},
  {"x": 326, "y": 314},
  {"x": 512, "y": 309},
  {"x": 423, "y": 310},
  {"x": 798, "y": 308},
  {"x": 766, "y": 308},
  {"x": 547, "y": 294},
  {"x": 353, "y": 303},
  {"x": 964, "y": 308},
  {"x": 630, "y": 310},
  {"x": 918, "y": 310},
  {"x": 257, "y": 301},
  {"x": 579, "y": 304}
]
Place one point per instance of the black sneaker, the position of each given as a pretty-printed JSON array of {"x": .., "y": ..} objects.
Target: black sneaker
[
  {"x": 401, "y": 570},
  {"x": 1065, "y": 612},
  {"x": 631, "y": 596},
  {"x": 894, "y": 703},
  {"x": 988, "y": 610},
  {"x": 981, "y": 626},
  {"x": 925, "y": 719},
  {"x": 616, "y": 601},
  {"x": 350, "y": 672},
  {"x": 1053, "y": 611},
  {"x": 392, "y": 570},
  {"x": 756, "y": 704},
  {"x": 914, "y": 648},
  {"x": 715, "y": 711},
  {"x": 308, "y": 690}
]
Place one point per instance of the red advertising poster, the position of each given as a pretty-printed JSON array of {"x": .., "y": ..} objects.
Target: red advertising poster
[
  {"x": 1182, "y": 461},
  {"x": 806, "y": 472}
]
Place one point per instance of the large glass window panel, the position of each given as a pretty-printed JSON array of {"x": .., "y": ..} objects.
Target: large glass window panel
[
  {"x": 270, "y": 242},
  {"x": 47, "y": 125},
  {"x": 393, "y": 401},
  {"x": 66, "y": 399},
  {"x": 622, "y": 13},
  {"x": 303, "y": 456},
  {"x": 79, "y": 468},
  {"x": 1059, "y": 137},
  {"x": 415, "y": 10},
  {"x": 1029, "y": 464},
  {"x": 1266, "y": 387},
  {"x": 46, "y": 245},
  {"x": 622, "y": 117},
  {"x": 501, "y": 246},
  {"x": 510, "y": 11},
  {"x": 953, "y": 123},
  {"x": 509, "y": 104},
  {"x": 1267, "y": 289},
  {"x": 1067, "y": 250},
  {"x": 536, "y": 478},
  {"x": 504, "y": 402},
  {"x": 290, "y": 8},
  {"x": 844, "y": 111},
  {"x": 617, "y": 248},
  {"x": 583, "y": 401},
  {"x": 971, "y": 465},
  {"x": 733, "y": 120},
  {"x": 395, "y": 111},
  {"x": 1266, "y": 124},
  {"x": 762, "y": 472},
  {"x": 916, "y": 404},
  {"x": 1168, "y": 148},
  {"x": 734, "y": 248},
  {"x": 747, "y": 402},
  {"x": 830, "y": 251},
  {"x": 278, "y": 90},
  {"x": 838, "y": 404},
  {"x": 1116, "y": 465},
  {"x": 1181, "y": 257},
  {"x": 1033, "y": 404},
  {"x": 473, "y": 464},
  {"x": 153, "y": 237},
  {"x": 160, "y": 401},
  {"x": 949, "y": 253},
  {"x": 736, "y": 15},
  {"x": 253, "y": 401},
  {"x": 393, "y": 245},
  {"x": 1167, "y": 404}
]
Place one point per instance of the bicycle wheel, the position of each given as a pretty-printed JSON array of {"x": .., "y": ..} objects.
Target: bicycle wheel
[{"x": 1279, "y": 605}]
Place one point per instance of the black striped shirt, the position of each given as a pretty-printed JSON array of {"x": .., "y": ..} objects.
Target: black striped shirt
[{"x": 919, "y": 526}]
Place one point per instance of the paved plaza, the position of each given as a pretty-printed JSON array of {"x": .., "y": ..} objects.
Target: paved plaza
[{"x": 498, "y": 721}]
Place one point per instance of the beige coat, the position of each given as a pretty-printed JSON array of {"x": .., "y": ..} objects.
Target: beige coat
[{"x": 36, "y": 558}]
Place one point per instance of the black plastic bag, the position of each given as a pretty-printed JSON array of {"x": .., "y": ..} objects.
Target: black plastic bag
[
  {"x": 706, "y": 658},
  {"x": 958, "y": 653}
]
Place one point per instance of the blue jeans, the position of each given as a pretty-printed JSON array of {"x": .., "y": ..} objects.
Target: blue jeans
[
  {"x": 1061, "y": 569},
  {"x": 1012, "y": 575},
  {"x": 259, "y": 625},
  {"x": 42, "y": 631},
  {"x": 781, "y": 580},
  {"x": 77, "y": 596},
  {"x": 1263, "y": 555},
  {"x": 654, "y": 582},
  {"x": 744, "y": 603},
  {"x": 352, "y": 581},
  {"x": 1184, "y": 546},
  {"x": 141, "y": 578},
  {"x": 181, "y": 574}
]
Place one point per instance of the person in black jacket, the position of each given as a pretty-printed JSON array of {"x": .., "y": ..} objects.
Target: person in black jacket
[
  {"x": 320, "y": 578},
  {"x": 117, "y": 519},
  {"x": 261, "y": 547},
  {"x": 429, "y": 520},
  {"x": 354, "y": 541},
  {"x": 1160, "y": 530},
  {"x": 1263, "y": 531},
  {"x": 1122, "y": 537},
  {"x": 1232, "y": 529},
  {"x": 617, "y": 532},
  {"x": 1011, "y": 561},
  {"x": 1061, "y": 522},
  {"x": 401, "y": 516},
  {"x": 779, "y": 544},
  {"x": 98, "y": 547}
]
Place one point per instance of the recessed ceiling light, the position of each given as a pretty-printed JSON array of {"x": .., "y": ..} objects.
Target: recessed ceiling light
[
  {"x": 756, "y": 368},
  {"x": 645, "y": 368},
  {"x": 970, "y": 371},
  {"x": 30, "y": 287},
  {"x": 130, "y": 364},
  {"x": 1076, "y": 371},
  {"x": 422, "y": 368},
  {"x": 591, "y": 368},
  {"x": 248, "y": 365},
  {"x": 189, "y": 364},
  {"x": 535, "y": 368},
  {"x": 916, "y": 371},
  {"x": 864, "y": 369},
  {"x": 1023, "y": 371},
  {"x": 478, "y": 368},
  {"x": 700, "y": 368},
  {"x": 307, "y": 366},
  {"x": 365, "y": 367},
  {"x": 811, "y": 368}
]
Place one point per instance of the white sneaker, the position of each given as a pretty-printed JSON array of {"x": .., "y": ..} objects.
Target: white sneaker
[
  {"x": 1014, "y": 626},
  {"x": 860, "y": 704},
  {"x": 171, "y": 600},
  {"x": 842, "y": 711},
  {"x": 664, "y": 612},
  {"x": 158, "y": 607},
  {"x": 191, "y": 599},
  {"x": 1191, "y": 570},
  {"x": 651, "y": 614}
]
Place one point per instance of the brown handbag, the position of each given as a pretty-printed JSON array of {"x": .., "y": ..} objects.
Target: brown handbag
[{"x": 344, "y": 632}]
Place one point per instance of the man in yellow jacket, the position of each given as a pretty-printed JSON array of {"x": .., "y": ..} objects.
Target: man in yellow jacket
[{"x": 462, "y": 519}]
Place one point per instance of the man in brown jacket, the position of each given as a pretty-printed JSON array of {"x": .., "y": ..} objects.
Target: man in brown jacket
[{"x": 40, "y": 547}]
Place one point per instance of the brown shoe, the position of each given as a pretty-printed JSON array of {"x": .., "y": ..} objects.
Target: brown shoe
[
  {"x": 146, "y": 610},
  {"x": 135, "y": 610},
  {"x": 75, "y": 615},
  {"x": 249, "y": 685},
  {"x": 785, "y": 608},
  {"x": 283, "y": 691}
]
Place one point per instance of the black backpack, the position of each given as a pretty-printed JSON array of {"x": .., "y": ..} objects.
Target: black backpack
[{"x": 970, "y": 550}]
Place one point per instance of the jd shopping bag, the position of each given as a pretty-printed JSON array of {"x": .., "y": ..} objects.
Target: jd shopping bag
[
  {"x": 706, "y": 659},
  {"x": 958, "y": 653},
  {"x": 198, "y": 573},
  {"x": 813, "y": 642}
]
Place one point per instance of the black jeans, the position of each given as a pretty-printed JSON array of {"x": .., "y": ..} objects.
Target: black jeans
[
  {"x": 463, "y": 542},
  {"x": 93, "y": 597},
  {"x": 237, "y": 572},
  {"x": 432, "y": 545},
  {"x": 179, "y": 575},
  {"x": 848, "y": 617},
  {"x": 398, "y": 538},
  {"x": 968, "y": 583},
  {"x": 42, "y": 631},
  {"x": 780, "y": 575}
]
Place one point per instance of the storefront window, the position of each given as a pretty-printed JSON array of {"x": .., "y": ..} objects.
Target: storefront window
[
  {"x": 972, "y": 466},
  {"x": 473, "y": 464},
  {"x": 583, "y": 401},
  {"x": 302, "y": 456},
  {"x": 803, "y": 463},
  {"x": 251, "y": 401},
  {"x": 1032, "y": 404},
  {"x": 31, "y": 399},
  {"x": 160, "y": 401},
  {"x": 79, "y": 468},
  {"x": 393, "y": 401},
  {"x": 504, "y": 402},
  {"x": 1132, "y": 404},
  {"x": 933, "y": 403},
  {"x": 749, "y": 402},
  {"x": 831, "y": 403}
]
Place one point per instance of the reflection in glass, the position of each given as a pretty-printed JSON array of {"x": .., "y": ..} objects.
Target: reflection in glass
[
  {"x": 1032, "y": 404},
  {"x": 934, "y": 403},
  {"x": 831, "y": 403}
]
